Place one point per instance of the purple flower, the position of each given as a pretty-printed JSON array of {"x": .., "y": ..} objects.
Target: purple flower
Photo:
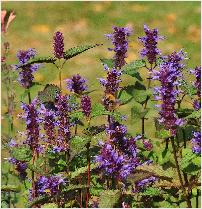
[
  {"x": 145, "y": 182},
  {"x": 12, "y": 143},
  {"x": 197, "y": 85},
  {"x": 76, "y": 84},
  {"x": 167, "y": 94},
  {"x": 120, "y": 41},
  {"x": 20, "y": 167},
  {"x": 31, "y": 116},
  {"x": 147, "y": 145},
  {"x": 176, "y": 58},
  {"x": 86, "y": 105},
  {"x": 196, "y": 142},
  {"x": 58, "y": 45},
  {"x": 150, "y": 42},
  {"x": 111, "y": 84},
  {"x": 26, "y": 74}
]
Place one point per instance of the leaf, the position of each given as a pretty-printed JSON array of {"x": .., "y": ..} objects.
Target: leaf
[
  {"x": 137, "y": 112},
  {"x": 194, "y": 114},
  {"x": 10, "y": 188},
  {"x": 82, "y": 170},
  {"x": 163, "y": 134},
  {"x": 124, "y": 97},
  {"x": 22, "y": 153},
  {"x": 72, "y": 52},
  {"x": 94, "y": 130},
  {"x": 108, "y": 62},
  {"x": 151, "y": 191},
  {"x": 38, "y": 201},
  {"x": 133, "y": 67},
  {"x": 74, "y": 187},
  {"x": 97, "y": 110},
  {"x": 49, "y": 205},
  {"x": 39, "y": 60},
  {"x": 116, "y": 115},
  {"x": 184, "y": 112},
  {"x": 188, "y": 88},
  {"x": 77, "y": 143},
  {"x": 109, "y": 198}
]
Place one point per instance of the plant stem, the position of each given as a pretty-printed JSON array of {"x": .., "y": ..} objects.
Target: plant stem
[
  {"x": 88, "y": 175},
  {"x": 60, "y": 78},
  {"x": 179, "y": 174},
  {"x": 197, "y": 197}
]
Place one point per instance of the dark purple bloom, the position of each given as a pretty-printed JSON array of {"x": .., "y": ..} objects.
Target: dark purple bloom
[
  {"x": 63, "y": 124},
  {"x": 111, "y": 84},
  {"x": 48, "y": 185},
  {"x": 26, "y": 73},
  {"x": 147, "y": 144},
  {"x": 31, "y": 116},
  {"x": 150, "y": 42},
  {"x": 76, "y": 84},
  {"x": 120, "y": 41},
  {"x": 20, "y": 167},
  {"x": 145, "y": 182},
  {"x": 196, "y": 142},
  {"x": 86, "y": 105},
  {"x": 167, "y": 94},
  {"x": 197, "y": 85},
  {"x": 58, "y": 45},
  {"x": 176, "y": 59}
]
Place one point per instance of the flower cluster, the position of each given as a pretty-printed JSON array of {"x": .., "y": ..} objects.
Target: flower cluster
[
  {"x": 58, "y": 45},
  {"x": 118, "y": 155},
  {"x": 86, "y": 105},
  {"x": 20, "y": 167},
  {"x": 77, "y": 84},
  {"x": 167, "y": 94},
  {"x": 31, "y": 116},
  {"x": 196, "y": 142},
  {"x": 150, "y": 42},
  {"x": 120, "y": 41},
  {"x": 26, "y": 73},
  {"x": 142, "y": 184},
  {"x": 197, "y": 84},
  {"x": 48, "y": 185}
]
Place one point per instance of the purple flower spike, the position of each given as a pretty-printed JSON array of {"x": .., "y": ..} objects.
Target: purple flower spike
[
  {"x": 86, "y": 105},
  {"x": 120, "y": 41},
  {"x": 197, "y": 85},
  {"x": 196, "y": 142},
  {"x": 76, "y": 84},
  {"x": 58, "y": 45},
  {"x": 150, "y": 42},
  {"x": 26, "y": 74},
  {"x": 167, "y": 93}
]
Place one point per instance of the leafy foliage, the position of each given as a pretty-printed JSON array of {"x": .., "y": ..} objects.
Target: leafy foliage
[{"x": 22, "y": 153}]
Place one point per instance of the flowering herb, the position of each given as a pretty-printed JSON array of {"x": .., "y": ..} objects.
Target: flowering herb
[
  {"x": 26, "y": 73},
  {"x": 86, "y": 105},
  {"x": 196, "y": 142},
  {"x": 58, "y": 45},
  {"x": 76, "y": 84},
  {"x": 120, "y": 41},
  {"x": 167, "y": 94},
  {"x": 150, "y": 42}
]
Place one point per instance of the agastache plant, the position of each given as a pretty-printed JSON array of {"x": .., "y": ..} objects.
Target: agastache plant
[{"x": 58, "y": 45}]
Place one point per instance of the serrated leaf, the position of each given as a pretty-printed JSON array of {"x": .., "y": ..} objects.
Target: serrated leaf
[
  {"x": 124, "y": 97},
  {"x": 194, "y": 114},
  {"x": 77, "y": 143},
  {"x": 39, "y": 200},
  {"x": 39, "y": 60},
  {"x": 137, "y": 112},
  {"x": 108, "y": 62},
  {"x": 116, "y": 115},
  {"x": 22, "y": 153},
  {"x": 151, "y": 191},
  {"x": 163, "y": 134},
  {"x": 109, "y": 198},
  {"x": 197, "y": 161},
  {"x": 49, "y": 205},
  {"x": 184, "y": 112},
  {"x": 97, "y": 110},
  {"x": 73, "y": 187},
  {"x": 10, "y": 188},
  {"x": 72, "y": 52},
  {"x": 133, "y": 67}
]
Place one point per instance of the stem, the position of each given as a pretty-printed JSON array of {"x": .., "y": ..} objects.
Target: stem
[
  {"x": 60, "y": 78},
  {"x": 179, "y": 174},
  {"x": 197, "y": 197},
  {"x": 88, "y": 175}
]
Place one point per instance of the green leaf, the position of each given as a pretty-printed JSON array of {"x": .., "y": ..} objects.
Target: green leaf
[
  {"x": 72, "y": 52},
  {"x": 116, "y": 115},
  {"x": 49, "y": 205},
  {"x": 194, "y": 114},
  {"x": 109, "y": 198},
  {"x": 74, "y": 187},
  {"x": 98, "y": 110},
  {"x": 163, "y": 134},
  {"x": 38, "y": 201},
  {"x": 197, "y": 161},
  {"x": 10, "y": 188},
  {"x": 133, "y": 67},
  {"x": 184, "y": 112},
  {"x": 151, "y": 191},
  {"x": 77, "y": 143},
  {"x": 188, "y": 88},
  {"x": 124, "y": 97},
  {"x": 137, "y": 112},
  {"x": 22, "y": 153},
  {"x": 108, "y": 62},
  {"x": 40, "y": 60}
]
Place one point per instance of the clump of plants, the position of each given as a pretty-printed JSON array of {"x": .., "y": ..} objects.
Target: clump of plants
[{"x": 64, "y": 160}]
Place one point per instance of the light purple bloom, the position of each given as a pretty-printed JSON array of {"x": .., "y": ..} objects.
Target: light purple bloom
[{"x": 196, "y": 142}]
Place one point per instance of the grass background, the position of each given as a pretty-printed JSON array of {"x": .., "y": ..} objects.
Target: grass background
[{"x": 86, "y": 23}]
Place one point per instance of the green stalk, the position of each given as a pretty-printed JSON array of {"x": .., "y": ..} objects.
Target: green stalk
[{"x": 179, "y": 174}]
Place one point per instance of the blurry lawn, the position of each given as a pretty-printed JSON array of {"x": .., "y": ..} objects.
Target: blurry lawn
[{"x": 86, "y": 23}]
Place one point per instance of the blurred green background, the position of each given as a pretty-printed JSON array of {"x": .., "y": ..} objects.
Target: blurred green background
[{"x": 86, "y": 23}]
